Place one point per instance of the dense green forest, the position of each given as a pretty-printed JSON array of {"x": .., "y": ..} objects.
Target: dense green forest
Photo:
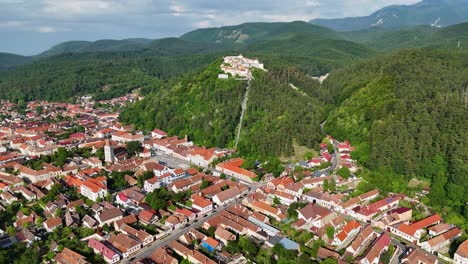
[
  {"x": 106, "y": 75},
  {"x": 279, "y": 115},
  {"x": 201, "y": 106},
  {"x": 407, "y": 115}
]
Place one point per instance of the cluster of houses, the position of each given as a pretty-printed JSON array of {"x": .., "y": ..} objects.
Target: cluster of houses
[
  {"x": 343, "y": 156},
  {"x": 364, "y": 226},
  {"x": 239, "y": 66}
]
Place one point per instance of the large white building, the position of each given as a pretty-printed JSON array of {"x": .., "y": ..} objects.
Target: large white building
[{"x": 240, "y": 66}]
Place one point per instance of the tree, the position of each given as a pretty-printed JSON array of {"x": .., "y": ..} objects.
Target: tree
[
  {"x": 133, "y": 147},
  {"x": 325, "y": 185},
  {"x": 61, "y": 157},
  {"x": 344, "y": 172},
  {"x": 222, "y": 176},
  {"x": 11, "y": 230},
  {"x": 332, "y": 185},
  {"x": 204, "y": 184},
  {"x": 276, "y": 200},
  {"x": 330, "y": 232},
  {"x": 39, "y": 221},
  {"x": 211, "y": 231}
]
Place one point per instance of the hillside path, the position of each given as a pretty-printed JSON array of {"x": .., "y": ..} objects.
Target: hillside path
[{"x": 244, "y": 107}]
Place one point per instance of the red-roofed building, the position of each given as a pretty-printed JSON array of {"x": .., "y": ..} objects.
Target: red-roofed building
[
  {"x": 52, "y": 223},
  {"x": 201, "y": 204},
  {"x": 380, "y": 246},
  {"x": 348, "y": 231},
  {"x": 436, "y": 243},
  {"x": 157, "y": 133},
  {"x": 232, "y": 168},
  {"x": 415, "y": 231},
  {"x": 109, "y": 255},
  {"x": 146, "y": 217},
  {"x": 94, "y": 189},
  {"x": 202, "y": 156}
]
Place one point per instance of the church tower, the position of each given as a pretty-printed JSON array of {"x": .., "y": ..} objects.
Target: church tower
[{"x": 108, "y": 153}]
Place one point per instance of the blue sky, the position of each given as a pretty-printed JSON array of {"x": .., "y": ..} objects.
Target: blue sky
[{"x": 31, "y": 26}]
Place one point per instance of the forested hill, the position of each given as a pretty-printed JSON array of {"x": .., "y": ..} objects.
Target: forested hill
[
  {"x": 100, "y": 45},
  {"x": 8, "y": 60},
  {"x": 407, "y": 114},
  {"x": 207, "y": 109},
  {"x": 253, "y": 32},
  {"x": 106, "y": 75}
]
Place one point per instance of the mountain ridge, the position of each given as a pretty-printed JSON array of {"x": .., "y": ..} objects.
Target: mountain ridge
[{"x": 437, "y": 13}]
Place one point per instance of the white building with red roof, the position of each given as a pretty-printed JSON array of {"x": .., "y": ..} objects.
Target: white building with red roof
[
  {"x": 94, "y": 189},
  {"x": 201, "y": 204},
  {"x": 152, "y": 184},
  {"x": 157, "y": 133},
  {"x": 109, "y": 255}
]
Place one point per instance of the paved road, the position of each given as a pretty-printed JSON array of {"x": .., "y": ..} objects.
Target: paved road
[{"x": 145, "y": 252}]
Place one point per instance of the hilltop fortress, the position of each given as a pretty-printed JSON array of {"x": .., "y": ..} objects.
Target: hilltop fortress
[{"x": 239, "y": 66}]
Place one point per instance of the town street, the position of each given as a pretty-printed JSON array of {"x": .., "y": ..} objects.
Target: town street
[{"x": 145, "y": 252}]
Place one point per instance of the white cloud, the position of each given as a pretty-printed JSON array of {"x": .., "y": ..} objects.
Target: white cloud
[{"x": 46, "y": 29}]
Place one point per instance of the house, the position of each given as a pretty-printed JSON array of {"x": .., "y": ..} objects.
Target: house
[
  {"x": 89, "y": 222},
  {"x": 157, "y": 133},
  {"x": 439, "y": 229},
  {"x": 362, "y": 240},
  {"x": 233, "y": 168},
  {"x": 47, "y": 171},
  {"x": 108, "y": 216},
  {"x": 395, "y": 216},
  {"x": 202, "y": 156},
  {"x": 461, "y": 255},
  {"x": 187, "y": 213},
  {"x": 315, "y": 216},
  {"x": 146, "y": 217},
  {"x": 380, "y": 246},
  {"x": 152, "y": 184},
  {"x": 162, "y": 256},
  {"x": 52, "y": 223},
  {"x": 210, "y": 244},
  {"x": 440, "y": 241},
  {"x": 201, "y": 204},
  {"x": 348, "y": 231},
  {"x": 109, "y": 255},
  {"x": 94, "y": 189},
  {"x": 418, "y": 256},
  {"x": 266, "y": 209},
  {"x": 129, "y": 219},
  {"x": 140, "y": 235},
  {"x": 324, "y": 253},
  {"x": 68, "y": 256},
  {"x": 414, "y": 231},
  {"x": 123, "y": 243},
  {"x": 227, "y": 196},
  {"x": 224, "y": 235},
  {"x": 193, "y": 256},
  {"x": 175, "y": 221},
  {"x": 367, "y": 212},
  {"x": 8, "y": 197}
]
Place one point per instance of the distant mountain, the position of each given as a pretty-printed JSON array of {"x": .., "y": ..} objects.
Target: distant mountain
[
  {"x": 413, "y": 37},
  {"x": 100, "y": 45},
  {"x": 177, "y": 46},
  {"x": 252, "y": 32},
  {"x": 8, "y": 60},
  {"x": 436, "y": 13}
]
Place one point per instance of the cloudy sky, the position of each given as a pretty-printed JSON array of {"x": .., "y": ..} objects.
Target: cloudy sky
[{"x": 31, "y": 26}]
